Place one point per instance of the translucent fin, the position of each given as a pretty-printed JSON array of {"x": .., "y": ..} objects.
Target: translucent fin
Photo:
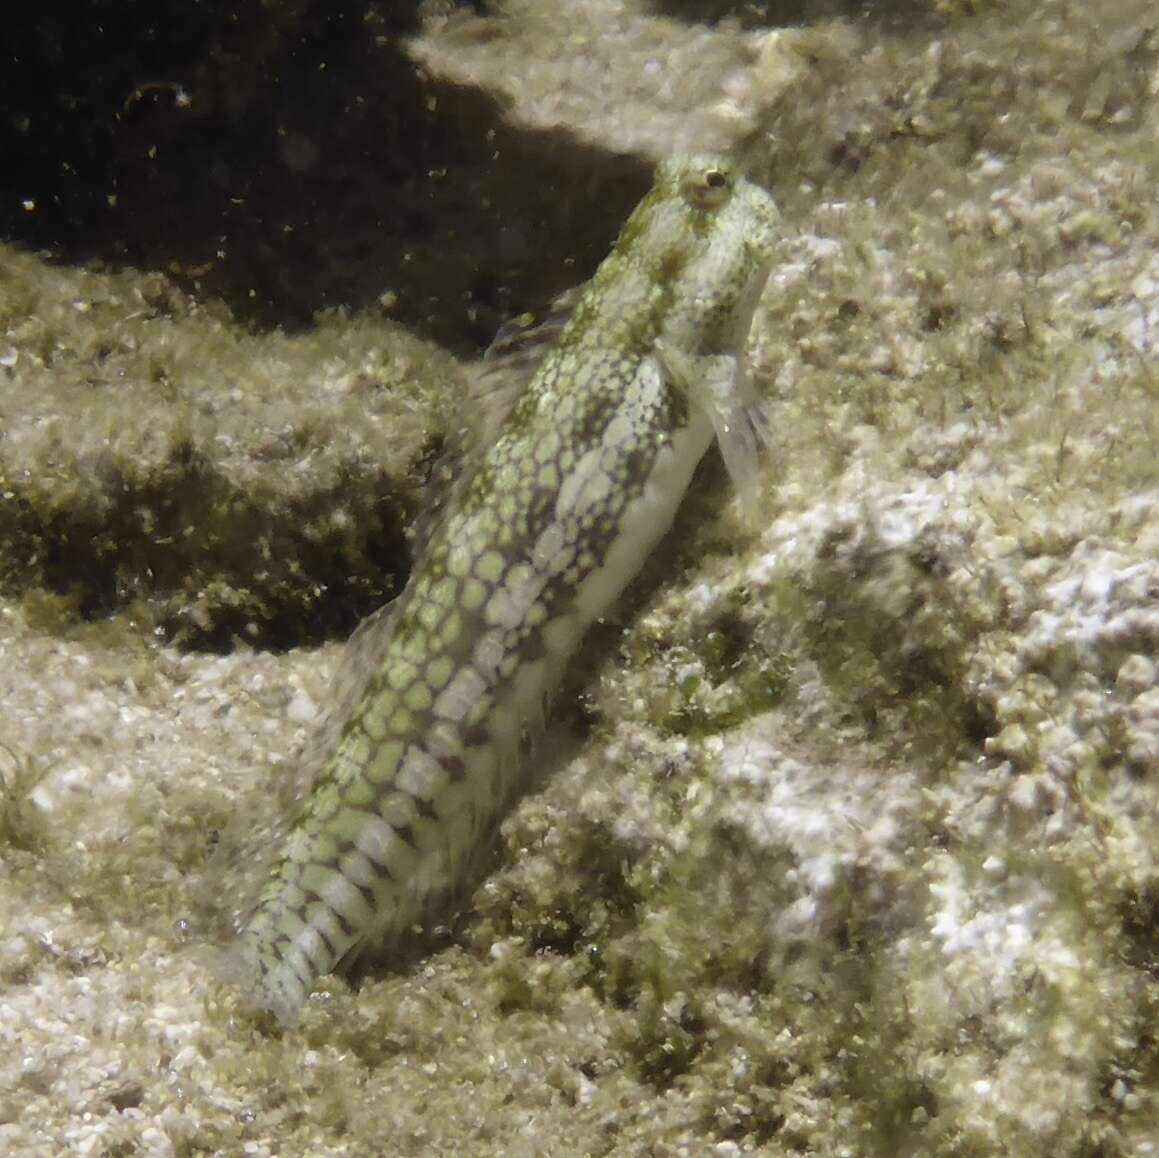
[
  {"x": 493, "y": 389},
  {"x": 718, "y": 385},
  {"x": 361, "y": 658},
  {"x": 524, "y": 339},
  {"x": 250, "y": 841}
]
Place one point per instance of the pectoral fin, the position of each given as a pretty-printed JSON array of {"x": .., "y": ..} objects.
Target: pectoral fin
[{"x": 718, "y": 386}]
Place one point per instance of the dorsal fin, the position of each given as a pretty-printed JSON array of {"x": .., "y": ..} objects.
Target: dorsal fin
[{"x": 494, "y": 386}]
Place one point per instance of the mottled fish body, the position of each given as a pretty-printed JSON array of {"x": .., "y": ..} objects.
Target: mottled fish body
[{"x": 533, "y": 544}]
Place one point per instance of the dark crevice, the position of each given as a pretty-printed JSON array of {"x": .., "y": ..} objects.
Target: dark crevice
[{"x": 292, "y": 158}]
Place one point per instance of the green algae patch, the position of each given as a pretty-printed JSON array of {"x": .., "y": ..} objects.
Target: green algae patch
[
  {"x": 221, "y": 484},
  {"x": 727, "y": 669},
  {"x": 21, "y": 824}
]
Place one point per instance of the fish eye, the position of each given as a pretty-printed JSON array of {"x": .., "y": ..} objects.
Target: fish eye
[{"x": 709, "y": 186}]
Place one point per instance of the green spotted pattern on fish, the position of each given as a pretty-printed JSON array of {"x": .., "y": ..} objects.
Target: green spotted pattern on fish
[{"x": 530, "y": 546}]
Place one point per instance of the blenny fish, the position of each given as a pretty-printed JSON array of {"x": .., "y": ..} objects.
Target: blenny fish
[{"x": 532, "y": 543}]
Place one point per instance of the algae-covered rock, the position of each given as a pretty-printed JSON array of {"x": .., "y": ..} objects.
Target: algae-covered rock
[{"x": 157, "y": 456}]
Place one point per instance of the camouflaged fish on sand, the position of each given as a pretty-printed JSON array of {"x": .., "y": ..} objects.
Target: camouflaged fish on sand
[{"x": 530, "y": 546}]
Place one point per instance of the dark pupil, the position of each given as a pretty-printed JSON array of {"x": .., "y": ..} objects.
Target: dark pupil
[{"x": 714, "y": 179}]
